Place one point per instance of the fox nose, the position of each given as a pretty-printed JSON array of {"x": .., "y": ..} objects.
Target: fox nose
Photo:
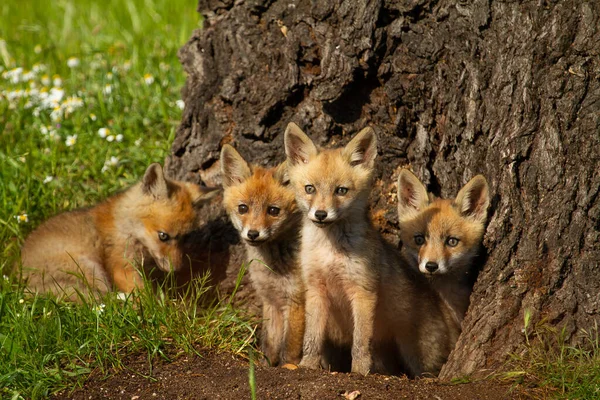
[
  {"x": 321, "y": 214},
  {"x": 431, "y": 266},
  {"x": 253, "y": 235}
]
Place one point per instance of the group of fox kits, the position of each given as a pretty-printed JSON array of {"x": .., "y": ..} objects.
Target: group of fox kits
[
  {"x": 325, "y": 275},
  {"x": 326, "y": 278}
]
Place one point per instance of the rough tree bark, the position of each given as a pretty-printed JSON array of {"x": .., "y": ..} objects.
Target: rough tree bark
[{"x": 509, "y": 89}]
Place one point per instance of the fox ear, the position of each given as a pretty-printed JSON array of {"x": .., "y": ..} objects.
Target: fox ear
[
  {"x": 412, "y": 195},
  {"x": 154, "y": 182},
  {"x": 474, "y": 198},
  {"x": 298, "y": 147},
  {"x": 203, "y": 195},
  {"x": 362, "y": 149},
  {"x": 281, "y": 173},
  {"x": 233, "y": 166}
]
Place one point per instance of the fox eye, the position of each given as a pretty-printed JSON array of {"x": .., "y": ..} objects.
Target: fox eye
[
  {"x": 452, "y": 241},
  {"x": 340, "y": 190},
  {"x": 310, "y": 189},
  {"x": 163, "y": 236},
  {"x": 242, "y": 209},
  {"x": 273, "y": 211},
  {"x": 419, "y": 240}
]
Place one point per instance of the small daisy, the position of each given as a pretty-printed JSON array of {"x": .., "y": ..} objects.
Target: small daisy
[
  {"x": 119, "y": 138},
  {"x": 38, "y": 67},
  {"x": 22, "y": 218},
  {"x": 138, "y": 142},
  {"x": 48, "y": 179},
  {"x": 73, "y": 62},
  {"x": 110, "y": 138},
  {"x": 21, "y": 301},
  {"x": 103, "y": 132},
  {"x": 71, "y": 140},
  {"x": 127, "y": 65},
  {"x": 148, "y": 79},
  {"x": 57, "y": 81},
  {"x": 180, "y": 104},
  {"x": 109, "y": 75},
  {"x": 107, "y": 89},
  {"x": 99, "y": 309},
  {"x": 37, "y": 49},
  {"x": 93, "y": 118},
  {"x": 46, "y": 80}
]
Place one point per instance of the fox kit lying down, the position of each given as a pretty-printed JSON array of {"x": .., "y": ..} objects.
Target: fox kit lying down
[
  {"x": 360, "y": 291},
  {"x": 441, "y": 238},
  {"x": 262, "y": 208},
  {"x": 94, "y": 249}
]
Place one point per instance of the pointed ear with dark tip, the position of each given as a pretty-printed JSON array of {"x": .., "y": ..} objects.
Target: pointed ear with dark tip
[
  {"x": 281, "y": 173},
  {"x": 299, "y": 148},
  {"x": 474, "y": 198},
  {"x": 154, "y": 182},
  {"x": 412, "y": 195},
  {"x": 233, "y": 166},
  {"x": 204, "y": 195},
  {"x": 362, "y": 149}
]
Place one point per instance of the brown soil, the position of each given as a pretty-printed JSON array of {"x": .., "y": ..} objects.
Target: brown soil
[{"x": 224, "y": 376}]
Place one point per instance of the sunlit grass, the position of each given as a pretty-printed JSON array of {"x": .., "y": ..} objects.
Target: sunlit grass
[{"x": 548, "y": 365}]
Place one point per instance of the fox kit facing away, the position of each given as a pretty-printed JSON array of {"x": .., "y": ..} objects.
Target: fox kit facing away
[
  {"x": 144, "y": 224},
  {"x": 261, "y": 206},
  {"x": 442, "y": 237},
  {"x": 360, "y": 292}
]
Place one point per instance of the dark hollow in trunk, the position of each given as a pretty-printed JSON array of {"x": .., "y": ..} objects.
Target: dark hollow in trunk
[{"x": 509, "y": 89}]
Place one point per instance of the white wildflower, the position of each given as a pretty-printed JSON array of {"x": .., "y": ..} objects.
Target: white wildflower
[
  {"x": 180, "y": 104},
  {"x": 111, "y": 162},
  {"x": 37, "y": 49},
  {"x": 21, "y": 301},
  {"x": 103, "y": 132},
  {"x": 120, "y": 296},
  {"x": 57, "y": 81},
  {"x": 71, "y": 140},
  {"x": 22, "y": 218},
  {"x": 148, "y": 79},
  {"x": 119, "y": 138},
  {"x": 48, "y": 179},
  {"x": 28, "y": 76},
  {"x": 14, "y": 75},
  {"x": 110, "y": 138},
  {"x": 109, "y": 75},
  {"x": 38, "y": 68},
  {"x": 46, "y": 80},
  {"x": 93, "y": 117},
  {"x": 138, "y": 142},
  {"x": 99, "y": 309},
  {"x": 127, "y": 65},
  {"x": 107, "y": 89},
  {"x": 73, "y": 62}
]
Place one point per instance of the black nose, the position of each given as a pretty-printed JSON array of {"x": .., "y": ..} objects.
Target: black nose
[
  {"x": 321, "y": 214},
  {"x": 252, "y": 235},
  {"x": 431, "y": 266}
]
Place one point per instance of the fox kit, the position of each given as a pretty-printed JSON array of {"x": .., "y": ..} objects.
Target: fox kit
[
  {"x": 262, "y": 208},
  {"x": 360, "y": 292},
  {"x": 341, "y": 252},
  {"x": 93, "y": 249},
  {"x": 441, "y": 238}
]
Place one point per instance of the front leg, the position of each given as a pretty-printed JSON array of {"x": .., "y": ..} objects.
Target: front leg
[
  {"x": 126, "y": 278},
  {"x": 363, "y": 313},
  {"x": 272, "y": 333},
  {"x": 294, "y": 331},
  {"x": 317, "y": 311}
]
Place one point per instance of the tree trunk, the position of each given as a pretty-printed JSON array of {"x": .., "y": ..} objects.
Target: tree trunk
[{"x": 509, "y": 89}]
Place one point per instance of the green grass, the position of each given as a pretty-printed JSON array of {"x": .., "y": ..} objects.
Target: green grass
[
  {"x": 109, "y": 64},
  {"x": 551, "y": 367}
]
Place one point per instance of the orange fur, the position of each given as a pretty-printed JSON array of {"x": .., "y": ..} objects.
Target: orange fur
[
  {"x": 251, "y": 195},
  {"x": 100, "y": 248}
]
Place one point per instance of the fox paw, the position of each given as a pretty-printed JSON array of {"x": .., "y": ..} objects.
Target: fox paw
[
  {"x": 361, "y": 366},
  {"x": 311, "y": 362}
]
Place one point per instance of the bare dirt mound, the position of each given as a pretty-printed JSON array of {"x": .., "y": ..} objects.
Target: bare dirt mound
[{"x": 224, "y": 376}]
